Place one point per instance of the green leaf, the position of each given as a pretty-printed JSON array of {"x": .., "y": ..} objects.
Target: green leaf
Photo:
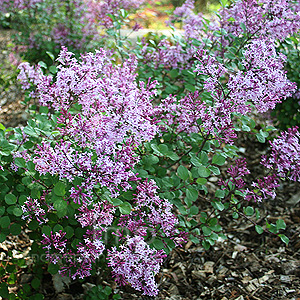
[
  {"x": 51, "y": 55},
  {"x": 15, "y": 229},
  {"x": 6, "y": 148},
  {"x": 246, "y": 128},
  {"x": 194, "y": 240},
  {"x": 59, "y": 189},
  {"x": 206, "y": 230},
  {"x": 243, "y": 26},
  {"x": 53, "y": 268},
  {"x": 173, "y": 73},
  {"x": 201, "y": 181},
  {"x": 69, "y": 231},
  {"x": 2, "y": 237},
  {"x": 203, "y": 171},
  {"x": 220, "y": 194},
  {"x": 2, "y": 210},
  {"x": 249, "y": 211},
  {"x": 194, "y": 210},
  {"x": 219, "y": 205},
  {"x": 42, "y": 64},
  {"x": 192, "y": 194},
  {"x": 10, "y": 199},
  {"x": 4, "y": 290},
  {"x": 46, "y": 230},
  {"x": 214, "y": 169},
  {"x": 35, "y": 283},
  {"x": 33, "y": 225},
  {"x": 218, "y": 159},
  {"x": 158, "y": 244},
  {"x": 259, "y": 229},
  {"x": 53, "y": 70},
  {"x": 206, "y": 245},
  {"x": 117, "y": 201},
  {"x": 284, "y": 238},
  {"x": 60, "y": 205},
  {"x": 260, "y": 138},
  {"x": 183, "y": 172},
  {"x": 125, "y": 208},
  {"x": 190, "y": 87},
  {"x": 20, "y": 162},
  {"x": 4, "y": 222},
  {"x": 280, "y": 224},
  {"x": 224, "y": 2}
]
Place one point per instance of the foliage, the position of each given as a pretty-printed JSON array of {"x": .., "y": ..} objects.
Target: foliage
[
  {"x": 113, "y": 169},
  {"x": 100, "y": 293}
]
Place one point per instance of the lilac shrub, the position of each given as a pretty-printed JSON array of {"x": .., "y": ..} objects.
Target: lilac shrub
[
  {"x": 114, "y": 170},
  {"x": 84, "y": 162}
]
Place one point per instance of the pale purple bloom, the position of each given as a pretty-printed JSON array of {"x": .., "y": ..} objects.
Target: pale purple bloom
[
  {"x": 284, "y": 159},
  {"x": 263, "y": 189},
  {"x": 32, "y": 210},
  {"x": 137, "y": 264}
]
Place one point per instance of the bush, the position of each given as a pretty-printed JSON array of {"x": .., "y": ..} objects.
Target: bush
[{"x": 110, "y": 171}]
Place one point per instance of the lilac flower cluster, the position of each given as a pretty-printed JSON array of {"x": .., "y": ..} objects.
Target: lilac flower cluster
[
  {"x": 266, "y": 18},
  {"x": 75, "y": 23},
  {"x": 74, "y": 264},
  {"x": 183, "y": 116},
  {"x": 192, "y": 23},
  {"x": 151, "y": 212},
  {"x": 264, "y": 80},
  {"x": 263, "y": 188},
  {"x": 114, "y": 119},
  {"x": 7, "y": 5},
  {"x": 284, "y": 159},
  {"x": 170, "y": 54},
  {"x": 237, "y": 173},
  {"x": 32, "y": 210},
  {"x": 137, "y": 264}
]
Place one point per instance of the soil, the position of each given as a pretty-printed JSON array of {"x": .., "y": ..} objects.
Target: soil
[{"x": 246, "y": 266}]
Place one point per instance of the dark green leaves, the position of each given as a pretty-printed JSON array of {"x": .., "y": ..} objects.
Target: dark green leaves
[
  {"x": 10, "y": 199},
  {"x": 183, "y": 172},
  {"x": 4, "y": 222},
  {"x": 218, "y": 159},
  {"x": 125, "y": 208},
  {"x": 59, "y": 189}
]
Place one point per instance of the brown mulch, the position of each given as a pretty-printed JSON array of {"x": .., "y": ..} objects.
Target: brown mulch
[{"x": 247, "y": 266}]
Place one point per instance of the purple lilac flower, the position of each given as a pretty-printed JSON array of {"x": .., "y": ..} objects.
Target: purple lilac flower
[
  {"x": 264, "y": 82},
  {"x": 150, "y": 213},
  {"x": 237, "y": 173},
  {"x": 263, "y": 189},
  {"x": 100, "y": 216},
  {"x": 23, "y": 154},
  {"x": 272, "y": 19},
  {"x": 136, "y": 264},
  {"x": 284, "y": 159},
  {"x": 116, "y": 116},
  {"x": 55, "y": 246},
  {"x": 32, "y": 210}
]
